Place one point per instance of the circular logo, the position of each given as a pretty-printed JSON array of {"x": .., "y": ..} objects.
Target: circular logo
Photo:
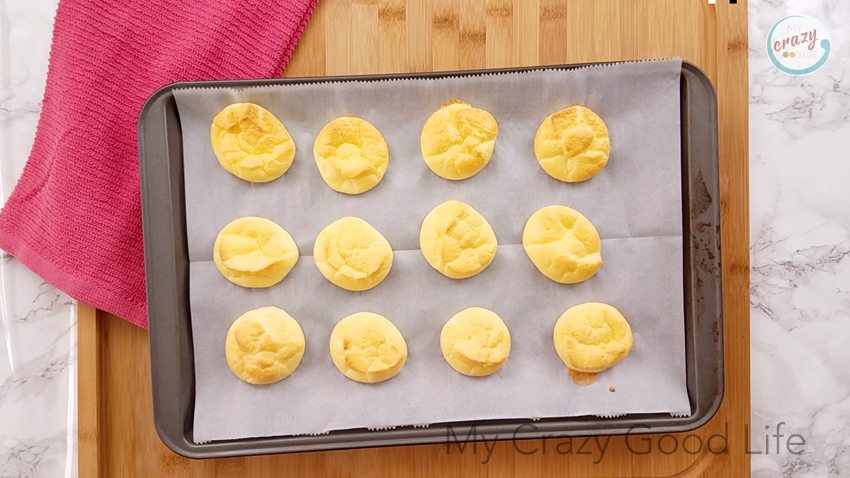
[{"x": 798, "y": 45}]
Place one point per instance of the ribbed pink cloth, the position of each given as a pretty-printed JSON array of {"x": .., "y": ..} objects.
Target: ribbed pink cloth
[{"x": 75, "y": 216}]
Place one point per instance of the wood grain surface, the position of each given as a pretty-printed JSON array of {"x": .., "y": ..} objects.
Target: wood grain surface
[{"x": 116, "y": 431}]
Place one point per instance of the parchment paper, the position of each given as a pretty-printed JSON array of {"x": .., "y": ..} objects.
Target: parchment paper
[{"x": 635, "y": 203}]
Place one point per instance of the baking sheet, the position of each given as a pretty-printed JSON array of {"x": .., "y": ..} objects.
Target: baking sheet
[{"x": 635, "y": 204}]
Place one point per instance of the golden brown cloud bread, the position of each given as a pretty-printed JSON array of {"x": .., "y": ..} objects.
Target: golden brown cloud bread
[
  {"x": 562, "y": 244},
  {"x": 352, "y": 254},
  {"x": 254, "y": 252},
  {"x": 457, "y": 140},
  {"x": 572, "y": 145},
  {"x": 475, "y": 342},
  {"x": 251, "y": 143},
  {"x": 351, "y": 155},
  {"x": 264, "y": 345},
  {"x": 367, "y": 348},
  {"x": 456, "y": 240},
  {"x": 592, "y": 337}
]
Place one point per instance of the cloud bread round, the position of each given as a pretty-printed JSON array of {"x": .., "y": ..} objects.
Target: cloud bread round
[
  {"x": 457, "y": 140},
  {"x": 254, "y": 252},
  {"x": 592, "y": 337},
  {"x": 367, "y": 348},
  {"x": 251, "y": 143},
  {"x": 351, "y": 154},
  {"x": 264, "y": 345},
  {"x": 562, "y": 244},
  {"x": 475, "y": 342},
  {"x": 352, "y": 254},
  {"x": 456, "y": 240},
  {"x": 572, "y": 145}
]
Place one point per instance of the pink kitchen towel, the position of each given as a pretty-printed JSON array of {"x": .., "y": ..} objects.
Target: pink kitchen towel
[{"x": 75, "y": 215}]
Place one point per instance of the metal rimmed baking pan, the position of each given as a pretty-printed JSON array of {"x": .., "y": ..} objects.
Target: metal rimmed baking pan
[{"x": 166, "y": 256}]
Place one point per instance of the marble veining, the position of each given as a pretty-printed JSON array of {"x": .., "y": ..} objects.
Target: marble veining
[
  {"x": 37, "y": 322},
  {"x": 800, "y": 249},
  {"x": 19, "y": 458}
]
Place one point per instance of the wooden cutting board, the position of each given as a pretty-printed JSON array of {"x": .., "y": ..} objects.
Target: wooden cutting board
[{"x": 116, "y": 431}]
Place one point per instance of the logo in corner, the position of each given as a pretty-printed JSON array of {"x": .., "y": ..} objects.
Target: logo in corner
[{"x": 798, "y": 45}]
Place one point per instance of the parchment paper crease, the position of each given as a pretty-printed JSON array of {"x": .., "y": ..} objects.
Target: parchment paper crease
[{"x": 635, "y": 203}]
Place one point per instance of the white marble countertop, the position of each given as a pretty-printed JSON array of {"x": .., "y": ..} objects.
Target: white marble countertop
[
  {"x": 800, "y": 234},
  {"x": 800, "y": 247},
  {"x": 37, "y": 323}
]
